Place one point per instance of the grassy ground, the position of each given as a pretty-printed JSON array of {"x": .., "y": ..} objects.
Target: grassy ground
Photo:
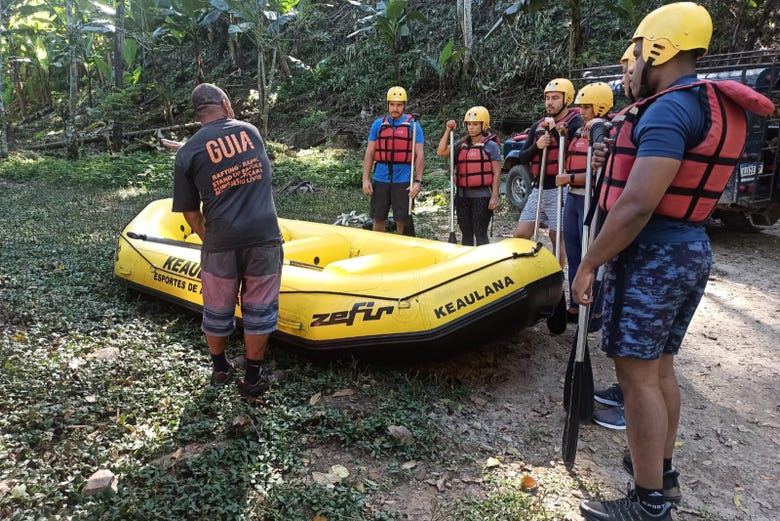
[{"x": 180, "y": 449}]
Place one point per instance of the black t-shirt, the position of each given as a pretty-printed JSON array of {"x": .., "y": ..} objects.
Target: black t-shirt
[{"x": 225, "y": 166}]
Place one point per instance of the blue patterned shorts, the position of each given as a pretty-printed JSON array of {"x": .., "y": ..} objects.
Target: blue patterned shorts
[{"x": 651, "y": 294}]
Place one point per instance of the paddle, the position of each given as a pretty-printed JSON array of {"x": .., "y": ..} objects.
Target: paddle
[
  {"x": 578, "y": 384},
  {"x": 556, "y": 323},
  {"x": 453, "y": 239},
  {"x": 162, "y": 240},
  {"x": 411, "y": 167},
  {"x": 542, "y": 167}
]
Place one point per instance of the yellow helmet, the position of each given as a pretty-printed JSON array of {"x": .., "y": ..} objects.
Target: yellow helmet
[
  {"x": 564, "y": 86},
  {"x": 478, "y": 114},
  {"x": 628, "y": 56},
  {"x": 396, "y": 94},
  {"x": 682, "y": 26},
  {"x": 597, "y": 94}
]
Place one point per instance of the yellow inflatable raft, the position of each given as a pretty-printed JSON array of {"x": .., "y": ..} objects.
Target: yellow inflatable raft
[{"x": 351, "y": 289}]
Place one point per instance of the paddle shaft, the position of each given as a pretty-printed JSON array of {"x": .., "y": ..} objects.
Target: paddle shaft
[
  {"x": 542, "y": 167},
  {"x": 162, "y": 240},
  {"x": 411, "y": 167},
  {"x": 452, "y": 182}
]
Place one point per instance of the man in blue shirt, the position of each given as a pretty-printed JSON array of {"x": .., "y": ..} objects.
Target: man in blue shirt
[
  {"x": 657, "y": 253},
  {"x": 390, "y": 152}
]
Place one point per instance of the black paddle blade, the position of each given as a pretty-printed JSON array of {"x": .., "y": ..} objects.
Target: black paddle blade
[
  {"x": 453, "y": 239},
  {"x": 585, "y": 386},
  {"x": 571, "y": 430},
  {"x": 556, "y": 323}
]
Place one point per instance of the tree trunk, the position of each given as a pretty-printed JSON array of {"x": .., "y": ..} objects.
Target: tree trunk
[
  {"x": 119, "y": 70},
  {"x": 16, "y": 77},
  {"x": 466, "y": 29},
  {"x": 70, "y": 121},
  {"x": 576, "y": 44},
  {"x": 3, "y": 117}
]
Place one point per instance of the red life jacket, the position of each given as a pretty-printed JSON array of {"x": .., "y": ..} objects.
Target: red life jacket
[
  {"x": 394, "y": 144},
  {"x": 552, "y": 149},
  {"x": 473, "y": 166},
  {"x": 576, "y": 155},
  {"x": 706, "y": 168}
]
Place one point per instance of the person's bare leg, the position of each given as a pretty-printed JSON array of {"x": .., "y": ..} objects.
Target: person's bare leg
[
  {"x": 523, "y": 230},
  {"x": 646, "y": 418},
  {"x": 562, "y": 257},
  {"x": 216, "y": 344},
  {"x": 256, "y": 346},
  {"x": 671, "y": 392},
  {"x": 400, "y": 227},
  {"x": 380, "y": 225}
]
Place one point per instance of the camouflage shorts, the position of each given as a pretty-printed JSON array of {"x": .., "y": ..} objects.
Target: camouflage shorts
[{"x": 651, "y": 294}]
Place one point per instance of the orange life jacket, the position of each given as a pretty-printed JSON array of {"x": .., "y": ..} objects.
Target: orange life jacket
[
  {"x": 706, "y": 168},
  {"x": 394, "y": 144},
  {"x": 551, "y": 169},
  {"x": 473, "y": 166}
]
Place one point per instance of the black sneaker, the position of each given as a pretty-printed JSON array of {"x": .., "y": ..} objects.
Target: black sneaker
[
  {"x": 220, "y": 378},
  {"x": 612, "y": 418},
  {"x": 671, "y": 480},
  {"x": 625, "y": 509},
  {"x": 253, "y": 390},
  {"x": 609, "y": 396}
]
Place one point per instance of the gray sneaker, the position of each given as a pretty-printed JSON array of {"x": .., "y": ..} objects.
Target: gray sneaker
[
  {"x": 255, "y": 389},
  {"x": 612, "y": 418},
  {"x": 625, "y": 509},
  {"x": 220, "y": 378},
  {"x": 609, "y": 396},
  {"x": 671, "y": 480}
]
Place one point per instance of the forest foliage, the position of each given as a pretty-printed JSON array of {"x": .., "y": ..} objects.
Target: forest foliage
[{"x": 294, "y": 64}]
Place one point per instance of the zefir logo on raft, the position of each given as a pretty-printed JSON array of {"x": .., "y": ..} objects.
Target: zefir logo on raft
[{"x": 365, "y": 310}]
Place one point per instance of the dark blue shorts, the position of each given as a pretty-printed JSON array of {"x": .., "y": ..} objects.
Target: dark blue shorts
[
  {"x": 651, "y": 294},
  {"x": 257, "y": 273},
  {"x": 387, "y": 195}
]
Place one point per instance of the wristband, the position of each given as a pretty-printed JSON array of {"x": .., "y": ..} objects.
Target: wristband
[
  {"x": 571, "y": 179},
  {"x": 419, "y": 181}
]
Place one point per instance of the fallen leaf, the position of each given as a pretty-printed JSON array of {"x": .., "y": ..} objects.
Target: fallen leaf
[
  {"x": 409, "y": 465},
  {"x": 492, "y": 462},
  {"x": 738, "y": 503},
  {"x": 479, "y": 402},
  {"x": 315, "y": 398},
  {"x": 528, "y": 484},
  {"x": 344, "y": 392},
  {"x": 318, "y": 518},
  {"x": 339, "y": 471}
]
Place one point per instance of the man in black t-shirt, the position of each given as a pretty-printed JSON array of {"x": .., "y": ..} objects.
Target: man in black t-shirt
[{"x": 225, "y": 168}]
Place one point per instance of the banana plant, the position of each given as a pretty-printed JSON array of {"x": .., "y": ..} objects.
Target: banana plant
[
  {"x": 263, "y": 22},
  {"x": 390, "y": 21}
]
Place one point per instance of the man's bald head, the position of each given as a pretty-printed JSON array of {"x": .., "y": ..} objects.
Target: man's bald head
[{"x": 210, "y": 101}]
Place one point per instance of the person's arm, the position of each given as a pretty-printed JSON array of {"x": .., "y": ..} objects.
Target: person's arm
[
  {"x": 368, "y": 163},
  {"x": 647, "y": 183},
  {"x": 496, "y": 188},
  {"x": 443, "y": 149},
  {"x": 419, "y": 165},
  {"x": 197, "y": 222},
  {"x": 532, "y": 146}
]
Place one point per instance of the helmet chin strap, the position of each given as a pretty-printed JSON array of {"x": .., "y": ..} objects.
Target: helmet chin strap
[
  {"x": 643, "y": 84},
  {"x": 565, "y": 107}
]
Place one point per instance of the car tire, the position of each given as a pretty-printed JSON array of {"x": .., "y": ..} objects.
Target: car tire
[{"x": 518, "y": 186}]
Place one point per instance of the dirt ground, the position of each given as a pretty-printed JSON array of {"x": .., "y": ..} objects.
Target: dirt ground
[{"x": 728, "y": 450}]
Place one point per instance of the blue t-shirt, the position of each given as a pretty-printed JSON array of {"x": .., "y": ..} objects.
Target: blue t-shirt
[
  {"x": 401, "y": 171},
  {"x": 672, "y": 124}
]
